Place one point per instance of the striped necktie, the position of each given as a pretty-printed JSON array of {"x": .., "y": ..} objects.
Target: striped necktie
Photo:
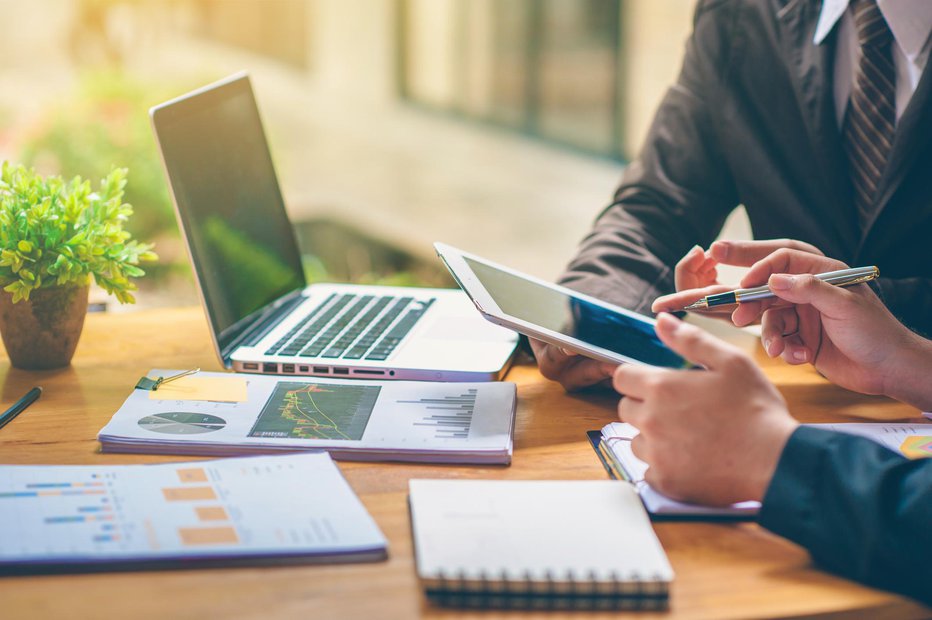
[{"x": 870, "y": 122}]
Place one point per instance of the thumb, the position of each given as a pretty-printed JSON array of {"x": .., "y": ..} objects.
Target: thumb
[
  {"x": 694, "y": 344},
  {"x": 807, "y": 289}
]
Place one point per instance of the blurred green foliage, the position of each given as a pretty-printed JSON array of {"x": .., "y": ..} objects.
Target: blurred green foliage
[{"x": 105, "y": 126}]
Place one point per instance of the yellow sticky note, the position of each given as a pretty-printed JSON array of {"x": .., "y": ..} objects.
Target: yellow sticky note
[{"x": 227, "y": 389}]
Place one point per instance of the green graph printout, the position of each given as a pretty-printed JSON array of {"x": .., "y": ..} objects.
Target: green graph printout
[{"x": 316, "y": 411}]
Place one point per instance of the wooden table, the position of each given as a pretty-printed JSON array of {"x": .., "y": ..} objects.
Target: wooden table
[{"x": 722, "y": 570}]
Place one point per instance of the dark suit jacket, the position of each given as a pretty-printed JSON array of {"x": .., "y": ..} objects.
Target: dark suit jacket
[
  {"x": 861, "y": 510},
  {"x": 751, "y": 121}
]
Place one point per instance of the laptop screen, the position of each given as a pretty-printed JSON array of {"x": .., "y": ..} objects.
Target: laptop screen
[{"x": 221, "y": 174}]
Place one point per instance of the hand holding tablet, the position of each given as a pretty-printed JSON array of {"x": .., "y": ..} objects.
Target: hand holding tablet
[{"x": 556, "y": 315}]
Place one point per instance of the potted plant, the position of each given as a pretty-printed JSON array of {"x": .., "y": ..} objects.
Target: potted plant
[{"x": 55, "y": 236}]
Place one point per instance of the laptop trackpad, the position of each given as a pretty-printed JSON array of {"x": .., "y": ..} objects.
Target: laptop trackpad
[{"x": 466, "y": 328}]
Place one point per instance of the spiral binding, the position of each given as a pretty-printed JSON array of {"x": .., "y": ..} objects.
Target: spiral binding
[{"x": 502, "y": 591}]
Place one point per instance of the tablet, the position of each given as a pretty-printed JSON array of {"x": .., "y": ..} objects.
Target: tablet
[{"x": 556, "y": 314}]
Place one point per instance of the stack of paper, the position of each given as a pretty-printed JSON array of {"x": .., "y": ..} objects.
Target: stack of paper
[
  {"x": 247, "y": 510},
  {"x": 224, "y": 414}
]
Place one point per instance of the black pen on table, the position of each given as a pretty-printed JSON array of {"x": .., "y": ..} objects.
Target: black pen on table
[
  {"x": 842, "y": 277},
  {"x": 18, "y": 407}
]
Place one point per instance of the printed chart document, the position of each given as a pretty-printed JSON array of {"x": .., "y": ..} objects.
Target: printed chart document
[
  {"x": 911, "y": 440},
  {"x": 614, "y": 448},
  {"x": 351, "y": 419},
  {"x": 581, "y": 544},
  {"x": 295, "y": 508}
]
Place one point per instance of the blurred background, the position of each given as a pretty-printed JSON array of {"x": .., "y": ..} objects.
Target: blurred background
[{"x": 500, "y": 126}]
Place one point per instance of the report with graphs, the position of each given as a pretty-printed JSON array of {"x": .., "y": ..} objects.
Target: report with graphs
[
  {"x": 264, "y": 509},
  {"x": 223, "y": 414}
]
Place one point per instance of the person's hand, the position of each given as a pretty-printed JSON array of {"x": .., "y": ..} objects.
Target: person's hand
[
  {"x": 572, "y": 371},
  {"x": 846, "y": 333},
  {"x": 710, "y": 437},
  {"x": 696, "y": 275}
]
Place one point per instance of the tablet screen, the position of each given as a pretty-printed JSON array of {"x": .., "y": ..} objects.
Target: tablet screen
[{"x": 568, "y": 315}]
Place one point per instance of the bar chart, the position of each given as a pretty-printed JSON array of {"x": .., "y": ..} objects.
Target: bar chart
[
  {"x": 449, "y": 416},
  {"x": 59, "y": 516}
]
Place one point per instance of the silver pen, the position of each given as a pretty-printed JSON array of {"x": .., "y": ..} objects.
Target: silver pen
[{"x": 842, "y": 277}]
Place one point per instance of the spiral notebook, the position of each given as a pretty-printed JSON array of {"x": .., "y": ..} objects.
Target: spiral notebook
[{"x": 537, "y": 544}]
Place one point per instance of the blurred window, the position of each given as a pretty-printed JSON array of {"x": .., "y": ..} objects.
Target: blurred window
[
  {"x": 549, "y": 68},
  {"x": 275, "y": 28}
]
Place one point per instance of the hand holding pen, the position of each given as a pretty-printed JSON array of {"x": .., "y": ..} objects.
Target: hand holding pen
[
  {"x": 845, "y": 332},
  {"x": 840, "y": 277},
  {"x": 696, "y": 274}
]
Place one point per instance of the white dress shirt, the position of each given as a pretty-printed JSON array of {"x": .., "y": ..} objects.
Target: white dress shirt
[{"x": 910, "y": 21}]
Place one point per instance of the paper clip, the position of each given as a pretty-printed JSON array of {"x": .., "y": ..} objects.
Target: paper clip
[{"x": 147, "y": 383}]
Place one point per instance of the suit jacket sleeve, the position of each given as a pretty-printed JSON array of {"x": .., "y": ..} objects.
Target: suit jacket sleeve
[
  {"x": 677, "y": 194},
  {"x": 860, "y": 509}
]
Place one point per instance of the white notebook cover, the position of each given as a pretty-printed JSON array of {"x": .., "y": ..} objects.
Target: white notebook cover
[{"x": 552, "y": 532}]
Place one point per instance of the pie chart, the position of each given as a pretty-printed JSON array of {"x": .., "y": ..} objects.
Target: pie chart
[{"x": 182, "y": 423}]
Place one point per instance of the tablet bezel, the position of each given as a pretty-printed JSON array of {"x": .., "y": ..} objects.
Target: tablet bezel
[{"x": 453, "y": 258}]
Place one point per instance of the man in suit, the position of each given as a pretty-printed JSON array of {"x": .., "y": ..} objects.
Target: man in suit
[
  {"x": 860, "y": 509},
  {"x": 816, "y": 115}
]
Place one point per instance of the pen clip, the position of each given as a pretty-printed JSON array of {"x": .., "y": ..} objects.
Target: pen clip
[
  {"x": 147, "y": 383},
  {"x": 867, "y": 277}
]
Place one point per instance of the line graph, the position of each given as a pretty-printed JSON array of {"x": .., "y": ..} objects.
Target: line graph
[{"x": 316, "y": 411}]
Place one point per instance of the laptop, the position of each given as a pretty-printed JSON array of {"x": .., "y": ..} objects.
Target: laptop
[{"x": 263, "y": 316}]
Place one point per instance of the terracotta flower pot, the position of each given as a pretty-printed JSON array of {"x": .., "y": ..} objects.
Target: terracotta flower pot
[{"x": 43, "y": 332}]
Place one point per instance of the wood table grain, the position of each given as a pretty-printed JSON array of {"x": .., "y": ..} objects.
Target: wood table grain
[{"x": 722, "y": 570}]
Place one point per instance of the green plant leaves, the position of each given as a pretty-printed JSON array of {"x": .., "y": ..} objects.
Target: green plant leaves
[{"x": 54, "y": 233}]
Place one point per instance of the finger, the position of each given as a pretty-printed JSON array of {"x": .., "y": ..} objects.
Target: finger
[
  {"x": 634, "y": 380},
  {"x": 746, "y": 253},
  {"x": 709, "y": 271},
  {"x": 807, "y": 289},
  {"x": 549, "y": 355},
  {"x": 776, "y": 325},
  {"x": 695, "y": 344},
  {"x": 788, "y": 261},
  {"x": 583, "y": 372},
  {"x": 751, "y": 311},
  {"x": 684, "y": 275},
  {"x": 681, "y": 299},
  {"x": 568, "y": 353},
  {"x": 631, "y": 410},
  {"x": 795, "y": 352},
  {"x": 640, "y": 447}
]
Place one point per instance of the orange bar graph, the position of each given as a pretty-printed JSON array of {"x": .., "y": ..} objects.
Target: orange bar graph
[
  {"x": 192, "y": 536},
  {"x": 192, "y": 474},
  {"x": 212, "y": 513},
  {"x": 186, "y": 494}
]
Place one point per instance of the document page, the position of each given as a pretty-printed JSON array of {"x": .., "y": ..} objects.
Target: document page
[
  {"x": 910, "y": 440},
  {"x": 421, "y": 420},
  {"x": 273, "y": 506}
]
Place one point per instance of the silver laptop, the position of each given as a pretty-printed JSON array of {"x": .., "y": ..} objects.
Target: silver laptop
[{"x": 263, "y": 316}]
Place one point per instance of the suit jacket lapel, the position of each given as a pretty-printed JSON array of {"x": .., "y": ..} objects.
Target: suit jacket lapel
[
  {"x": 812, "y": 69},
  {"x": 912, "y": 132}
]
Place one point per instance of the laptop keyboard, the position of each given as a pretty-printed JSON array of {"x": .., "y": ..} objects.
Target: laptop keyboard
[{"x": 352, "y": 327}]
